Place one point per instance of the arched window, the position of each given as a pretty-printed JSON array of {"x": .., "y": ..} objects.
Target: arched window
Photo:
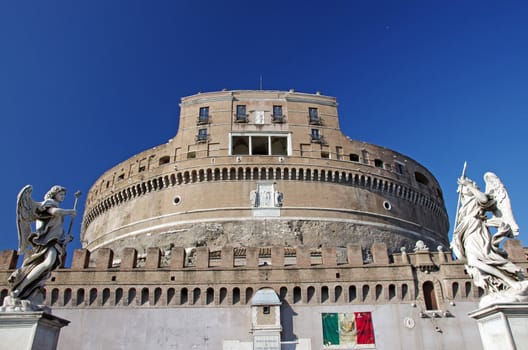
[
  {"x": 93, "y": 296},
  {"x": 223, "y": 295},
  {"x": 170, "y": 296},
  {"x": 144, "y": 296},
  {"x": 454, "y": 288},
  {"x": 196, "y": 295},
  {"x": 118, "y": 296},
  {"x": 184, "y": 296},
  {"x": 310, "y": 294},
  {"x": 131, "y": 300},
  {"x": 67, "y": 296},
  {"x": 164, "y": 160},
  {"x": 236, "y": 296},
  {"x": 468, "y": 289},
  {"x": 249, "y": 294},
  {"x": 209, "y": 298},
  {"x": 80, "y": 296},
  {"x": 296, "y": 295},
  {"x": 405, "y": 290},
  {"x": 338, "y": 291},
  {"x": 429, "y": 296},
  {"x": 324, "y": 294},
  {"x": 283, "y": 293},
  {"x": 54, "y": 296},
  {"x": 352, "y": 293},
  {"x": 421, "y": 178},
  {"x": 366, "y": 290},
  {"x": 106, "y": 295},
  {"x": 157, "y": 295},
  {"x": 392, "y": 291},
  {"x": 379, "y": 291}
]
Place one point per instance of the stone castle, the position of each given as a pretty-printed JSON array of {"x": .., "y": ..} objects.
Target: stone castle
[{"x": 253, "y": 224}]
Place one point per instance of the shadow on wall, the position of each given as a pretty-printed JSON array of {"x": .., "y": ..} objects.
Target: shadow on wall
[{"x": 287, "y": 315}]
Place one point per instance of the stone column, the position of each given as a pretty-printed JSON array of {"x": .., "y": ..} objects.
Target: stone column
[
  {"x": 503, "y": 326},
  {"x": 30, "y": 330}
]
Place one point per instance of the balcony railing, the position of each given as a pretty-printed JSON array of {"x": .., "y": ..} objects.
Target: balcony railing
[
  {"x": 202, "y": 120},
  {"x": 202, "y": 138},
  {"x": 315, "y": 121},
  {"x": 318, "y": 139},
  {"x": 278, "y": 118},
  {"x": 241, "y": 118}
]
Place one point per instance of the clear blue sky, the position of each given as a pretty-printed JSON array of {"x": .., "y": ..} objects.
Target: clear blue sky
[{"x": 85, "y": 85}]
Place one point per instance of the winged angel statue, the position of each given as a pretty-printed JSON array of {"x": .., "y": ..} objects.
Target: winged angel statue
[
  {"x": 44, "y": 249},
  {"x": 483, "y": 221}
]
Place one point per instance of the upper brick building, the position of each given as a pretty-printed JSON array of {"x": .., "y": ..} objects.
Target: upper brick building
[{"x": 257, "y": 168}]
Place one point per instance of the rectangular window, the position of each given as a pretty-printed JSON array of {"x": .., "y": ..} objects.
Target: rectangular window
[
  {"x": 241, "y": 115},
  {"x": 258, "y": 144},
  {"x": 354, "y": 157},
  {"x": 203, "y": 117},
  {"x": 240, "y": 145},
  {"x": 277, "y": 113},
  {"x": 315, "y": 135},
  {"x": 202, "y": 135},
  {"x": 339, "y": 152},
  {"x": 266, "y": 310},
  {"x": 399, "y": 168},
  {"x": 279, "y": 146},
  {"x": 314, "y": 115}
]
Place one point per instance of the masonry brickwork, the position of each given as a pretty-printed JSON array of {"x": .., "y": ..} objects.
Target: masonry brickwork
[{"x": 196, "y": 189}]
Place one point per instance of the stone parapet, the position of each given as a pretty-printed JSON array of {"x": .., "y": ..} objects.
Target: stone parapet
[{"x": 180, "y": 277}]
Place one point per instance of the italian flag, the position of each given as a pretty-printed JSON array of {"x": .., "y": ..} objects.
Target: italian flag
[{"x": 347, "y": 328}]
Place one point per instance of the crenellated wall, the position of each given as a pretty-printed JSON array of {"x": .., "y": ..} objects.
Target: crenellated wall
[{"x": 229, "y": 277}]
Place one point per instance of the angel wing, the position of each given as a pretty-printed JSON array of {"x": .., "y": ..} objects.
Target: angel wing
[
  {"x": 26, "y": 214},
  {"x": 496, "y": 189}
]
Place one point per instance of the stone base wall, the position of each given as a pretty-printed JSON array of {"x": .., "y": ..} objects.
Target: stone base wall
[{"x": 396, "y": 326}]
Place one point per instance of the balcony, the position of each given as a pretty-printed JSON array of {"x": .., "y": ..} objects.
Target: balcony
[
  {"x": 241, "y": 118},
  {"x": 201, "y": 138},
  {"x": 202, "y": 120},
  {"x": 315, "y": 138},
  {"x": 278, "y": 118},
  {"x": 315, "y": 121}
]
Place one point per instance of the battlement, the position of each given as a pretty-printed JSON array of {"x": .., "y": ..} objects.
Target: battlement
[
  {"x": 241, "y": 257},
  {"x": 180, "y": 258},
  {"x": 182, "y": 277}
]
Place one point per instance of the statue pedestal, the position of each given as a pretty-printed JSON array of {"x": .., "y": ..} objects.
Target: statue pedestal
[
  {"x": 503, "y": 326},
  {"x": 30, "y": 330}
]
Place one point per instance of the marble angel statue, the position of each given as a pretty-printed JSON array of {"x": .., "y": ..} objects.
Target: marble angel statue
[
  {"x": 44, "y": 248},
  {"x": 483, "y": 221}
]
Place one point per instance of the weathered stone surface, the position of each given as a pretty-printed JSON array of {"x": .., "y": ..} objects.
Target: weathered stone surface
[{"x": 329, "y": 193}]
